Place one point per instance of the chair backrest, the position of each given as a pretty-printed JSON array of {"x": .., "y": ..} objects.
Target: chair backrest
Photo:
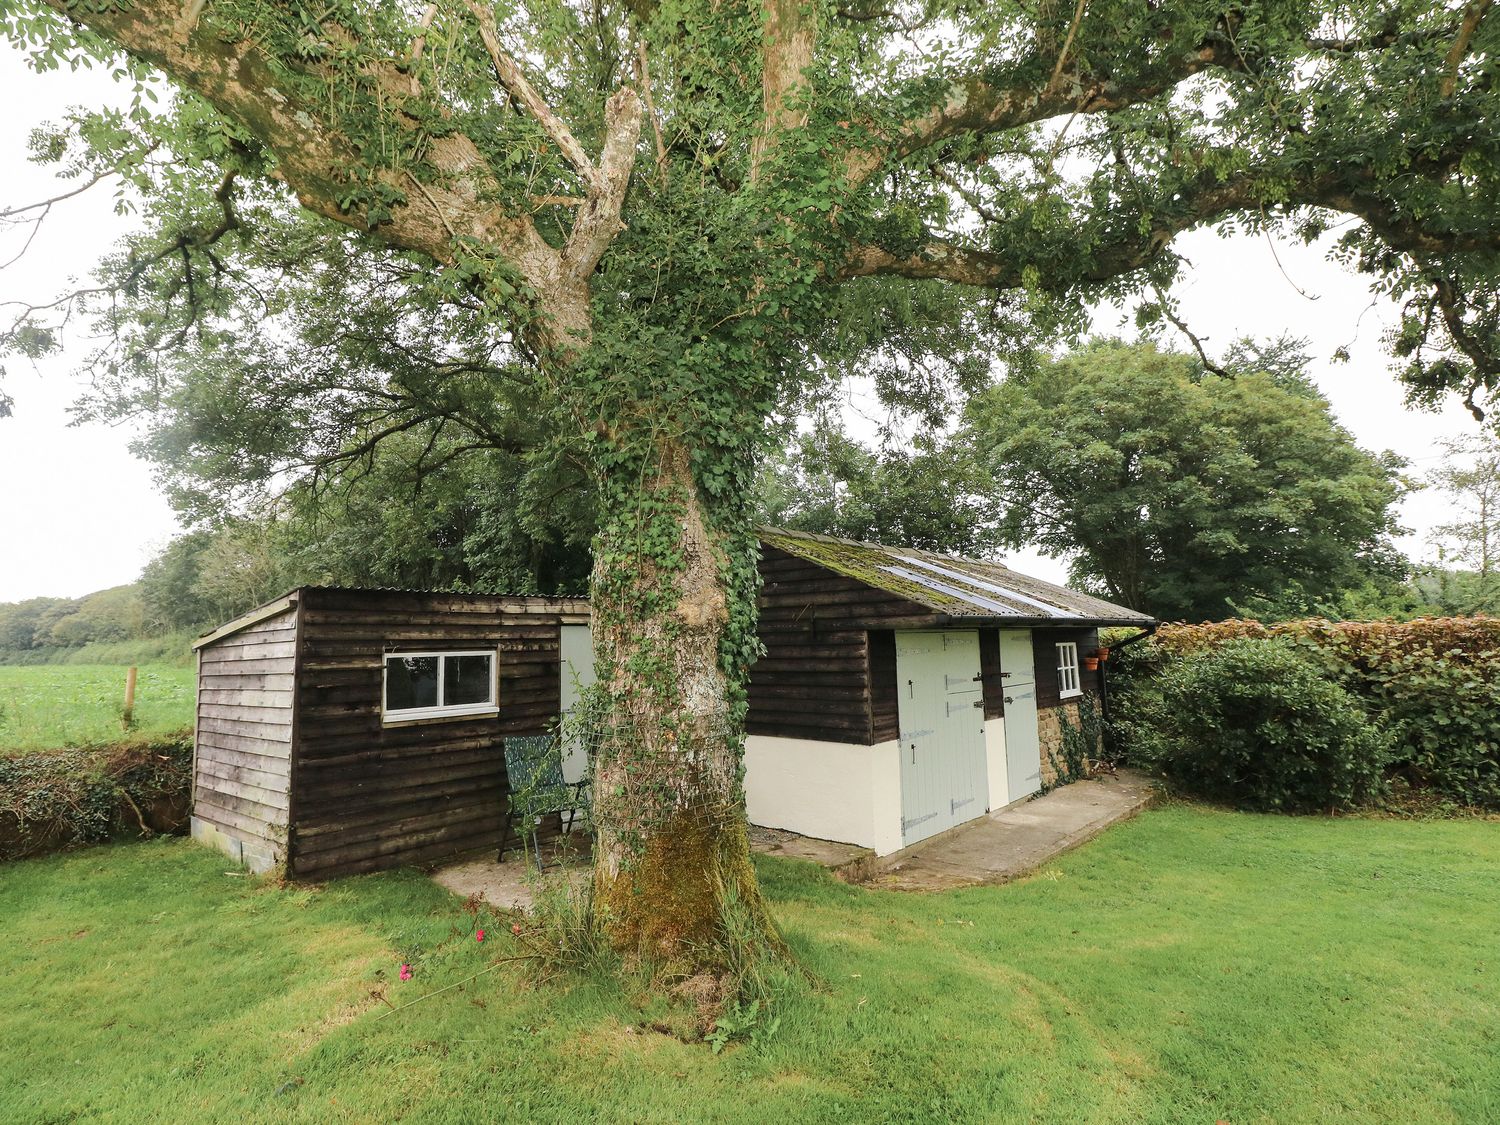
[{"x": 533, "y": 763}]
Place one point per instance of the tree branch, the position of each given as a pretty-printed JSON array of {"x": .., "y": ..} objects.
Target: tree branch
[
  {"x": 789, "y": 31},
  {"x": 515, "y": 83},
  {"x": 1473, "y": 14}
]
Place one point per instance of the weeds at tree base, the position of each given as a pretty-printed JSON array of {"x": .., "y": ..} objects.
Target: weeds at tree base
[{"x": 559, "y": 936}]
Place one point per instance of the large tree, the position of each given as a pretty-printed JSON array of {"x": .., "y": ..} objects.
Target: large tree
[
  {"x": 1180, "y": 492},
  {"x": 675, "y": 218}
]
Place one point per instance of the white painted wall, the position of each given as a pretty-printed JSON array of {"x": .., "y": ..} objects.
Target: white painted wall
[
  {"x": 828, "y": 790},
  {"x": 994, "y": 756}
]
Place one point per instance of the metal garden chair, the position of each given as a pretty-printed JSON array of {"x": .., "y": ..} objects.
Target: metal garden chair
[{"x": 533, "y": 767}]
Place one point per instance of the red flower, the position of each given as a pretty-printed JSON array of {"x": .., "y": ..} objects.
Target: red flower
[
  {"x": 405, "y": 971},
  {"x": 515, "y": 928},
  {"x": 478, "y": 935}
]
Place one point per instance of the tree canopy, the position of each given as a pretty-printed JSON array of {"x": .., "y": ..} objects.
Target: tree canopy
[
  {"x": 668, "y": 222},
  {"x": 1184, "y": 493},
  {"x": 922, "y": 497}
]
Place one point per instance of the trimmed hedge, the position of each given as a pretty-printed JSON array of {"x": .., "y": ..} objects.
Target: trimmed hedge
[
  {"x": 54, "y": 799},
  {"x": 1255, "y": 723},
  {"x": 1432, "y": 684}
]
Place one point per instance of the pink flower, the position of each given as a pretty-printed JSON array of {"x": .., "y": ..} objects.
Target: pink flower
[
  {"x": 515, "y": 928},
  {"x": 478, "y": 935},
  {"x": 405, "y": 971}
]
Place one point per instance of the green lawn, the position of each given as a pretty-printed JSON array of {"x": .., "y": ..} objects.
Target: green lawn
[
  {"x": 1191, "y": 965},
  {"x": 46, "y": 706}
]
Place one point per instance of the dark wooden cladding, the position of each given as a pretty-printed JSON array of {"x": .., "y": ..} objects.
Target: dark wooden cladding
[
  {"x": 372, "y": 795},
  {"x": 829, "y": 670},
  {"x": 1044, "y": 644},
  {"x": 885, "y": 704},
  {"x": 992, "y": 685},
  {"x": 295, "y": 761},
  {"x": 820, "y": 676}
]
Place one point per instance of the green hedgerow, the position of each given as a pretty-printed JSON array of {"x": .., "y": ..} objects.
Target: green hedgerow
[{"x": 1256, "y": 723}]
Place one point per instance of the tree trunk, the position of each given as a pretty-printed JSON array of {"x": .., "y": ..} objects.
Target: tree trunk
[{"x": 673, "y": 601}]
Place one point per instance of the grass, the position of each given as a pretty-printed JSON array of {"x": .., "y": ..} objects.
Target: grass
[
  {"x": 1192, "y": 965},
  {"x": 47, "y": 706}
]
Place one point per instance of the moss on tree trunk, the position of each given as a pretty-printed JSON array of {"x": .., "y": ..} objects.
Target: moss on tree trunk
[{"x": 673, "y": 855}]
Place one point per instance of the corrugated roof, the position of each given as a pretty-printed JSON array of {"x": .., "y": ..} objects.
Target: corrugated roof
[{"x": 952, "y": 584}]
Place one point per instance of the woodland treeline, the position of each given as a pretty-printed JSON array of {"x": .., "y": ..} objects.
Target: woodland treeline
[{"x": 1193, "y": 492}]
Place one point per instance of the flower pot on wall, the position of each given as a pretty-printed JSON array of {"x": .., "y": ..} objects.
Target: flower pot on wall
[{"x": 1091, "y": 664}]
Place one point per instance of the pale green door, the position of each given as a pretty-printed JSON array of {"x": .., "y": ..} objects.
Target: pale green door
[
  {"x": 1023, "y": 748},
  {"x": 943, "y": 776},
  {"x": 577, "y": 675}
]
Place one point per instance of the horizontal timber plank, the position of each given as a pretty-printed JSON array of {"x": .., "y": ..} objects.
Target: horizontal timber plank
[
  {"x": 390, "y": 821},
  {"x": 812, "y": 733},
  {"x": 211, "y": 771},
  {"x": 383, "y": 618},
  {"x": 273, "y": 716},
  {"x": 235, "y": 825},
  {"x": 273, "y": 765},
  {"x": 332, "y": 758},
  {"x": 277, "y": 733},
  {"x": 396, "y": 836},
  {"x": 227, "y": 810},
  {"x": 227, "y": 747},
  {"x": 230, "y": 677},
  {"x": 271, "y": 798},
  {"x": 245, "y": 697},
  {"x": 247, "y": 665},
  {"x": 336, "y": 794},
  {"x": 478, "y": 842}
]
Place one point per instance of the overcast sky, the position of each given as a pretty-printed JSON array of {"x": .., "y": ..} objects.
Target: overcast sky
[{"x": 79, "y": 513}]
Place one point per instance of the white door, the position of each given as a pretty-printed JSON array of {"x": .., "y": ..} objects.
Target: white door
[
  {"x": 1023, "y": 747},
  {"x": 577, "y": 674},
  {"x": 943, "y": 776}
]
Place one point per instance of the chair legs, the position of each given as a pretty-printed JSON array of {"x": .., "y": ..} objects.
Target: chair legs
[{"x": 510, "y": 816}]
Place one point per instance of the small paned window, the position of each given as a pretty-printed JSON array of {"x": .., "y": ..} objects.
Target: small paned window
[
  {"x": 1067, "y": 670},
  {"x": 435, "y": 685}
]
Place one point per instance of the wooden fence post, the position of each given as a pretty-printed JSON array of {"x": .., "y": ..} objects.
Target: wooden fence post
[{"x": 129, "y": 713}]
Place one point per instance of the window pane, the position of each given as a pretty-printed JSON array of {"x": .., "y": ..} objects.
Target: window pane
[
  {"x": 410, "y": 681},
  {"x": 466, "y": 679}
]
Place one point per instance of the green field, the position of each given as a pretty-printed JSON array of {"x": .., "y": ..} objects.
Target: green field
[
  {"x": 1191, "y": 965},
  {"x": 45, "y": 706}
]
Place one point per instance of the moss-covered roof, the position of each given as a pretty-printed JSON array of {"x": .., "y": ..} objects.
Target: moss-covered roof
[{"x": 952, "y": 584}]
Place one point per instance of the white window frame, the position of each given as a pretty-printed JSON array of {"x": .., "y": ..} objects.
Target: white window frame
[
  {"x": 441, "y": 711},
  {"x": 1069, "y": 680}
]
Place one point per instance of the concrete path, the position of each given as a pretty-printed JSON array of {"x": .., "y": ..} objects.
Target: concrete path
[
  {"x": 1001, "y": 846},
  {"x": 1016, "y": 840},
  {"x": 512, "y": 885}
]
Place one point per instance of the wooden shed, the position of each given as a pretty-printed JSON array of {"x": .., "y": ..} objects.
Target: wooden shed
[
  {"x": 341, "y": 731},
  {"x": 903, "y": 692}
]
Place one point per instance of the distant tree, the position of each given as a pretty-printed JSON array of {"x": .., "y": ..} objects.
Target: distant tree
[
  {"x": 26, "y": 624},
  {"x": 1470, "y": 477},
  {"x": 116, "y": 614},
  {"x": 169, "y": 586},
  {"x": 829, "y": 483},
  {"x": 1179, "y": 492}
]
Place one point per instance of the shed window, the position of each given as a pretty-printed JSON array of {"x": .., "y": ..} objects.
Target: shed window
[
  {"x": 434, "y": 685},
  {"x": 1067, "y": 670}
]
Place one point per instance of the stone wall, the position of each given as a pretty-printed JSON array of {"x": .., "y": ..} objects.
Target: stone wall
[{"x": 1049, "y": 723}]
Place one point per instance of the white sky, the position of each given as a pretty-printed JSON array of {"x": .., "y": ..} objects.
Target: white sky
[{"x": 79, "y": 513}]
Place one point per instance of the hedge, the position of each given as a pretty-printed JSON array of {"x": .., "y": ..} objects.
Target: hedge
[
  {"x": 53, "y": 799},
  {"x": 1433, "y": 684}
]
